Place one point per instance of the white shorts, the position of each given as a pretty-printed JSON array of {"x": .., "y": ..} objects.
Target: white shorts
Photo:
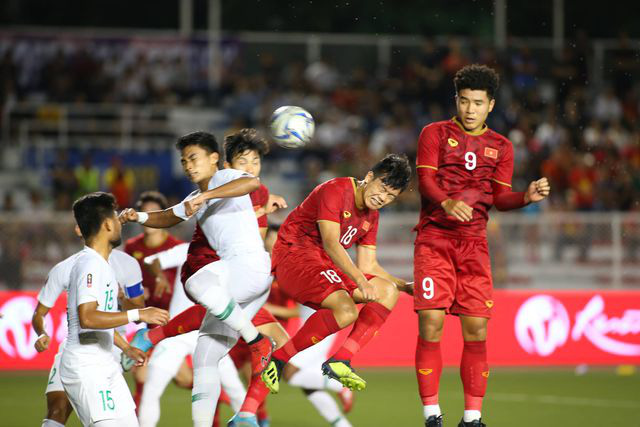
[
  {"x": 317, "y": 354},
  {"x": 54, "y": 384},
  {"x": 169, "y": 354},
  {"x": 99, "y": 393},
  {"x": 248, "y": 281}
]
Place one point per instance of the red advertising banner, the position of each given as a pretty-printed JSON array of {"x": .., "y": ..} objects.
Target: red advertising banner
[{"x": 527, "y": 328}]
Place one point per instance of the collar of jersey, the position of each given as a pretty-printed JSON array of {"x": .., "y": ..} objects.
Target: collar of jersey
[
  {"x": 355, "y": 187},
  {"x": 482, "y": 130}
]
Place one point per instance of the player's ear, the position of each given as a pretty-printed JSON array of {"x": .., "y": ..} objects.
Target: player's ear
[
  {"x": 368, "y": 177},
  {"x": 214, "y": 158},
  {"x": 77, "y": 230},
  {"x": 492, "y": 103}
]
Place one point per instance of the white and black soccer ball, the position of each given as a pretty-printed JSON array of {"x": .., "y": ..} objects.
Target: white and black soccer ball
[{"x": 292, "y": 127}]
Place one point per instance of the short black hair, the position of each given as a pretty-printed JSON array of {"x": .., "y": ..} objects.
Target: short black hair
[
  {"x": 394, "y": 170},
  {"x": 91, "y": 210},
  {"x": 477, "y": 77},
  {"x": 243, "y": 140},
  {"x": 202, "y": 139},
  {"x": 152, "y": 196}
]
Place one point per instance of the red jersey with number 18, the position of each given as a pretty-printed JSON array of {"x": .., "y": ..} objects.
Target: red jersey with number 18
[
  {"x": 334, "y": 201},
  {"x": 467, "y": 165}
]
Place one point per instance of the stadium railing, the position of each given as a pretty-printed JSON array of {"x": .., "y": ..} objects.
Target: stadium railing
[{"x": 529, "y": 251}]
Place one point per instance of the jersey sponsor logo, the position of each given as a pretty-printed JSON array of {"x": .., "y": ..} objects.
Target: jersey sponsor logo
[
  {"x": 137, "y": 254},
  {"x": 346, "y": 214},
  {"x": 452, "y": 142},
  {"x": 89, "y": 280},
  {"x": 366, "y": 225},
  {"x": 425, "y": 372},
  {"x": 489, "y": 303},
  {"x": 490, "y": 152}
]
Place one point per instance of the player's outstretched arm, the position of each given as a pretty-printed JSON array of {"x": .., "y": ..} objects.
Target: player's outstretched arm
[
  {"x": 367, "y": 262},
  {"x": 154, "y": 219},
  {"x": 236, "y": 188},
  {"x": 133, "y": 353},
  {"x": 37, "y": 321},
  {"x": 91, "y": 318},
  {"x": 330, "y": 233}
]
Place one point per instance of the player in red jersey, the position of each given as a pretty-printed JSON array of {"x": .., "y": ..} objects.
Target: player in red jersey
[
  {"x": 464, "y": 168},
  {"x": 311, "y": 264},
  {"x": 157, "y": 289}
]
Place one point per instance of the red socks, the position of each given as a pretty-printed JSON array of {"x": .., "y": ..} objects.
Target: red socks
[
  {"x": 187, "y": 321},
  {"x": 320, "y": 325},
  {"x": 371, "y": 318},
  {"x": 262, "y": 413},
  {"x": 428, "y": 370},
  {"x": 256, "y": 394},
  {"x": 474, "y": 371}
]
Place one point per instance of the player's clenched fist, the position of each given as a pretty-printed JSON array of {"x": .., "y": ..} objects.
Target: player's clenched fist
[
  {"x": 537, "y": 190},
  {"x": 154, "y": 316},
  {"x": 136, "y": 354},
  {"x": 368, "y": 291},
  {"x": 42, "y": 343},
  {"x": 274, "y": 203},
  {"x": 128, "y": 215},
  {"x": 192, "y": 206},
  {"x": 458, "y": 209}
]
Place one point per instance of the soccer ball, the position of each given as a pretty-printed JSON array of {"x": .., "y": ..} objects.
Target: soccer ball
[{"x": 292, "y": 127}]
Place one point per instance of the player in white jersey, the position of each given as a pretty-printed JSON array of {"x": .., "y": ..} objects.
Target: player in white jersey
[
  {"x": 90, "y": 376},
  {"x": 129, "y": 279},
  {"x": 232, "y": 289},
  {"x": 168, "y": 356}
]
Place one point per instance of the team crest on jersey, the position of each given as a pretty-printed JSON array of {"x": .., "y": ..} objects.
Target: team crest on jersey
[
  {"x": 366, "y": 225},
  {"x": 490, "y": 152},
  {"x": 89, "y": 280},
  {"x": 137, "y": 254},
  {"x": 452, "y": 142},
  {"x": 346, "y": 214}
]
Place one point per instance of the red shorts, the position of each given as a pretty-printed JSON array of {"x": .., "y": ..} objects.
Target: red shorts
[
  {"x": 309, "y": 276},
  {"x": 452, "y": 273},
  {"x": 263, "y": 317}
]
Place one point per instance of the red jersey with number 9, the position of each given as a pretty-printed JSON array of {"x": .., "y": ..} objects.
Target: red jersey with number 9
[
  {"x": 334, "y": 201},
  {"x": 467, "y": 165}
]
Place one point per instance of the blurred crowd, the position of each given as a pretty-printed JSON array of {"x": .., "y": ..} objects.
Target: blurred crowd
[{"x": 584, "y": 137}]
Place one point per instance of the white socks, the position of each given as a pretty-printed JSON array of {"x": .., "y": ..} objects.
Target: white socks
[
  {"x": 218, "y": 302},
  {"x": 231, "y": 383},
  {"x": 149, "y": 408},
  {"x": 312, "y": 379},
  {"x": 471, "y": 415},
  {"x": 431, "y": 410},
  {"x": 50, "y": 423},
  {"x": 328, "y": 408}
]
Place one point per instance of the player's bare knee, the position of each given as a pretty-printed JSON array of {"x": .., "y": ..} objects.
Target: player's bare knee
[
  {"x": 345, "y": 313},
  {"x": 387, "y": 293},
  {"x": 431, "y": 324},
  {"x": 474, "y": 328},
  {"x": 58, "y": 409}
]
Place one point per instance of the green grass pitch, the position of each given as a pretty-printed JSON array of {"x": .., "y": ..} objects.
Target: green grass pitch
[{"x": 516, "y": 397}]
